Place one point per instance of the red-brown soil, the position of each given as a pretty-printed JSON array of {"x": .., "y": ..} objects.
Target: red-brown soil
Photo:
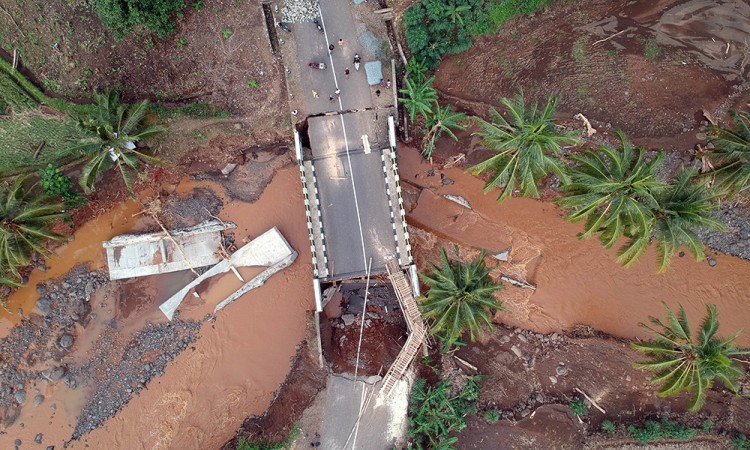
[
  {"x": 613, "y": 83},
  {"x": 69, "y": 51},
  {"x": 599, "y": 365}
]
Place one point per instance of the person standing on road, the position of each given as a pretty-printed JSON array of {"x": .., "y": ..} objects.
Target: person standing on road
[
  {"x": 346, "y": 72},
  {"x": 338, "y": 92},
  {"x": 330, "y": 98},
  {"x": 315, "y": 93},
  {"x": 330, "y": 48},
  {"x": 341, "y": 42}
]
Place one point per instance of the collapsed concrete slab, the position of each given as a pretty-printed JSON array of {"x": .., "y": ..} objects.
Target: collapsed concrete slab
[
  {"x": 138, "y": 255},
  {"x": 269, "y": 250}
]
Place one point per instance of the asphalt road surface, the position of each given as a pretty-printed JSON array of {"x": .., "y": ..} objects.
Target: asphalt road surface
[{"x": 351, "y": 185}]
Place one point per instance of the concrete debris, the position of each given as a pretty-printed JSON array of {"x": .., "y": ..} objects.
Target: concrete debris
[
  {"x": 269, "y": 250},
  {"x": 503, "y": 255},
  {"x": 458, "y": 199},
  {"x": 137, "y": 255},
  {"x": 229, "y": 168}
]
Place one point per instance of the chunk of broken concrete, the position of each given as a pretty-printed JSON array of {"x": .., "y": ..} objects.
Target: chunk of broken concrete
[
  {"x": 458, "y": 199},
  {"x": 503, "y": 255},
  {"x": 348, "y": 319},
  {"x": 228, "y": 169}
]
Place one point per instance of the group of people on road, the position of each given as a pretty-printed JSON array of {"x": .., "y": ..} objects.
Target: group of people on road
[{"x": 337, "y": 93}]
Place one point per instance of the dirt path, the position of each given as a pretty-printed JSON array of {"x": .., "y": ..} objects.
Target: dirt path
[{"x": 577, "y": 281}]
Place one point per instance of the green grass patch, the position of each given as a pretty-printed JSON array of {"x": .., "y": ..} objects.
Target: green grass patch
[
  {"x": 226, "y": 33},
  {"x": 252, "y": 83},
  {"x": 503, "y": 10},
  {"x": 22, "y": 133},
  {"x": 196, "y": 110},
  {"x": 651, "y": 50},
  {"x": 23, "y": 84},
  {"x": 243, "y": 444},
  {"x": 578, "y": 51}
]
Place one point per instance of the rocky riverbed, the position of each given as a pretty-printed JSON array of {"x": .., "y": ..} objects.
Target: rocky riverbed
[{"x": 39, "y": 352}]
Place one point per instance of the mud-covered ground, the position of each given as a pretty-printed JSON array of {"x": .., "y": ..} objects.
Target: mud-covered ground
[{"x": 531, "y": 378}]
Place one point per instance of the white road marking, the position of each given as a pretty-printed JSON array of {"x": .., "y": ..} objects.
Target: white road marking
[{"x": 346, "y": 142}]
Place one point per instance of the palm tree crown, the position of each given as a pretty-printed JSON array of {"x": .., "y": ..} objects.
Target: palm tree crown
[
  {"x": 682, "y": 362},
  {"x": 459, "y": 298},
  {"x": 526, "y": 147},
  {"x": 616, "y": 191},
  {"x": 442, "y": 120},
  {"x": 114, "y": 130},
  {"x": 731, "y": 156},
  {"x": 24, "y": 226},
  {"x": 683, "y": 207}
]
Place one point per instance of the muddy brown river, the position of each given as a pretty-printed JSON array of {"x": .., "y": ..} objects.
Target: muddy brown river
[
  {"x": 242, "y": 358},
  {"x": 578, "y": 282}
]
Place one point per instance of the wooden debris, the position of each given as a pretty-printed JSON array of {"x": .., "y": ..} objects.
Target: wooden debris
[
  {"x": 517, "y": 283},
  {"x": 591, "y": 400},
  {"x": 590, "y": 131},
  {"x": 610, "y": 37},
  {"x": 453, "y": 160}
]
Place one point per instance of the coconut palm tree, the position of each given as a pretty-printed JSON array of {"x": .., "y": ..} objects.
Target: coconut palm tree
[
  {"x": 419, "y": 96},
  {"x": 443, "y": 120},
  {"x": 615, "y": 191},
  {"x": 731, "y": 155},
  {"x": 683, "y": 362},
  {"x": 114, "y": 131},
  {"x": 526, "y": 147},
  {"x": 25, "y": 217},
  {"x": 683, "y": 207},
  {"x": 460, "y": 297}
]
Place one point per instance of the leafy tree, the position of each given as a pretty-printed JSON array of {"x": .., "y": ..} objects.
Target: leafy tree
[
  {"x": 419, "y": 97},
  {"x": 114, "y": 129},
  {"x": 125, "y": 15},
  {"x": 526, "y": 147},
  {"x": 25, "y": 219},
  {"x": 683, "y": 207},
  {"x": 443, "y": 120},
  {"x": 615, "y": 191},
  {"x": 460, "y": 297},
  {"x": 683, "y": 362},
  {"x": 437, "y": 27},
  {"x": 731, "y": 155}
]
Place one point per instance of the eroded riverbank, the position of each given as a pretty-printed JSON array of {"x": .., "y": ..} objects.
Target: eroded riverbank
[{"x": 578, "y": 282}]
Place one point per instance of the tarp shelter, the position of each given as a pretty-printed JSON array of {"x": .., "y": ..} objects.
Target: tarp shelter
[
  {"x": 374, "y": 71},
  {"x": 137, "y": 255}
]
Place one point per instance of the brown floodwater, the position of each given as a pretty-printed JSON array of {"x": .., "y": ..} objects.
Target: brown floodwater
[
  {"x": 231, "y": 372},
  {"x": 578, "y": 282}
]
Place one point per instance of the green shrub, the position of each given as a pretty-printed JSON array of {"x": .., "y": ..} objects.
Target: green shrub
[
  {"x": 57, "y": 184},
  {"x": 608, "y": 426},
  {"x": 434, "y": 412},
  {"x": 651, "y": 50},
  {"x": 665, "y": 429},
  {"x": 741, "y": 442},
  {"x": 578, "y": 407},
  {"x": 707, "y": 426},
  {"x": 124, "y": 16},
  {"x": 492, "y": 415}
]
